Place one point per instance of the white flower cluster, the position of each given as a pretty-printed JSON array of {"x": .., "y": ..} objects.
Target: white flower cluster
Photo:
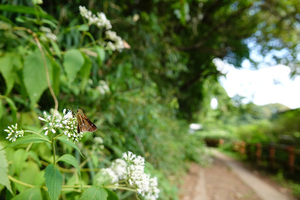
[
  {"x": 99, "y": 142},
  {"x": 48, "y": 33},
  {"x": 103, "y": 87},
  {"x": 130, "y": 169},
  {"x": 117, "y": 43},
  {"x": 66, "y": 123},
  {"x": 100, "y": 20},
  {"x": 13, "y": 132},
  {"x": 136, "y": 177}
]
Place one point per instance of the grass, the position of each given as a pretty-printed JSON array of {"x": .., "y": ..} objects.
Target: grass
[{"x": 294, "y": 187}]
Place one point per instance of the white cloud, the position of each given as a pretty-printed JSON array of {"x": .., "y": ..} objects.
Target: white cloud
[{"x": 263, "y": 86}]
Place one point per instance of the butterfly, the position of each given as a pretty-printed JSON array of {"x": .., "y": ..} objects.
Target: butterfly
[{"x": 84, "y": 123}]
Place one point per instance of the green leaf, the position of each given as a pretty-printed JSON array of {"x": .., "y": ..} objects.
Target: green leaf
[
  {"x": 1, "y": 109},
  {"x": 49, "y": 22},
  {"x": 94, "y": 193},
  {"x": 85, "y": 72},
  {"x": 6, "y": 68},
  {"x": 28, "y": 139},
  {"x": 73, "y": 61},
  {"x": 35, "y": 157},
  {"x": 56, "y": 48},
  {"x": 54, "y": 180},
  {"x": 65, "y": 140},
  {"x": 4, "y": 171},
  {"x": 19, "y": 158},
  {"x": 83, "y": 27},
  {"x": 71, "y": 160},
  {"x": 13, "y": 108},
  {"x": 28, "y": 174},
  {"x": 112, "y": 195},
  {"x": 101, "y": 54},
  {"x": 2, "y": 18},
  {"x": 30, "y": 194},
  {"x": 24, "y": 9},
  {"x": 34, "y": 75}
]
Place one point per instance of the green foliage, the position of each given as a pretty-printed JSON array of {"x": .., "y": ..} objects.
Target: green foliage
[
  {"x": 71, "y": 160},
  {"x": 54, "y": 180},
  {"x": 256, "y": 133},
  {"x": 94, "y": 193},
  {"x": 134, "y": 97},
  {"x": 30, "y": 194},
  {"x": 34, "y": 72},
  {"x": 4, "y": 171},
  {"x": 36, "y": 138}
]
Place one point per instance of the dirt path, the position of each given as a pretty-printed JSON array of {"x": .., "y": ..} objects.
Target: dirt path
[{"x": 220, "y": 181}]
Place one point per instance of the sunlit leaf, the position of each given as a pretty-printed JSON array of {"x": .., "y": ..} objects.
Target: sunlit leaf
[
  {"x": 94, "y": 193},
  {"x": 83, "y": 27},
  {"x": 73, "y": 61},
  {"x": 85, "y": 72},
  {"x": 101, "y": 53},
  {"x": 28, "y": 139},
  {"x": 56, "y": 48},
  {"x": 19, "y": 158},
  {"x": 4, "y": 171},
  {"x": 35, "y": 157},
  {"x": 30, "y": 194},
  {"x": 34, "y": 75}
]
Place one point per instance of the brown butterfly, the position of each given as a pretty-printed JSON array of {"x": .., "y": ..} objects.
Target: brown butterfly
[{"x": 84, "y": 123}]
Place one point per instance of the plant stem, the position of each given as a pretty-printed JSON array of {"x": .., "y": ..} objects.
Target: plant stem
[
  {"x": 53, "y": 148},
  {"x": 58, "y": 136},
  {"x": 20, "y": 182},
  {"x": 75, "y": 186}
]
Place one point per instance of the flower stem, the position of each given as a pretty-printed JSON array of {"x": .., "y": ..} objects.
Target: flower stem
[
  {"x": 58, "y": 136},
  {"x": 20, "y": 182},
  {"x": 53, "y": 148}
]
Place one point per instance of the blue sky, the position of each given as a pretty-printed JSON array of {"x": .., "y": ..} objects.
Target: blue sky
[{"x": 263, "y": 86}]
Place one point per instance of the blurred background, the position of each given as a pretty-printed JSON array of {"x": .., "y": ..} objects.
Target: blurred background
[{"x": 229, "y": 67}]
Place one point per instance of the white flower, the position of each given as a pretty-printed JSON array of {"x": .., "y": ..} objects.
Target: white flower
[
  {"x": 13, "y": 132},
  {"x": 45, "y": 29},
  {"x": 98, "y": 140},
  {"x": 129, "y": 156},
  {"x": 110, "y": 46},
  {"x": 103, "y": 88},
  {"x": 137, "y": 178},
  {"x": 48, "y": 33},
  {"x": 66, "y": 123},
  {"x": 119, "y": 167},
  {"x": 100, "y": 20},
  {"x": 113, "y": 176},
  {"x": 118, "y": 42},
  {"x": 130, "y": 169}
]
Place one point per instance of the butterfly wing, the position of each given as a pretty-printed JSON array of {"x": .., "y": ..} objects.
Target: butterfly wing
[{"x": 84, "y": 123}]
